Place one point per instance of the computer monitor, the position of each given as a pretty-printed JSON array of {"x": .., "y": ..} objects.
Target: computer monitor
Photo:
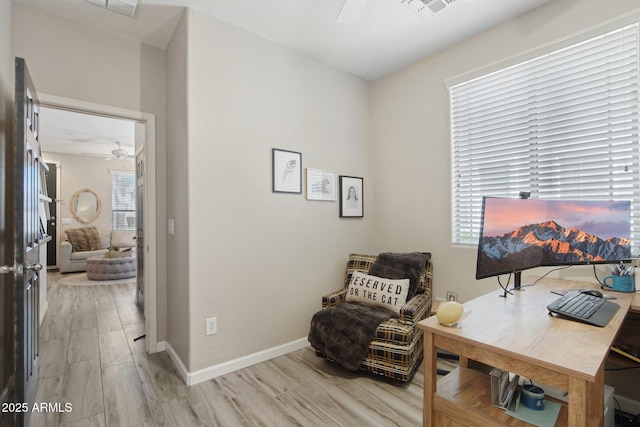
[{"x": 519, "y": 234}]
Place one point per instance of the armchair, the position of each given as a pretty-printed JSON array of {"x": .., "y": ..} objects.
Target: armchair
[{"x": 397, "y": 346}]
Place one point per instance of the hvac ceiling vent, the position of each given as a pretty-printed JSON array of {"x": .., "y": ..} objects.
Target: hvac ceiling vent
[
  {"x": 428, "y": 7},
  {"x": 126, "y": 7}
]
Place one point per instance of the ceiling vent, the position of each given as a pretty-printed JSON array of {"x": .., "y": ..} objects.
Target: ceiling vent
[
  {"x": 428, "y": 7},
  {"x": 126, "y": 7}
]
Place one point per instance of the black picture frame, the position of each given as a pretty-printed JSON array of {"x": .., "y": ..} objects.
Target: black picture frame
[
  {"x": 351, "y": 197},
  {"x": 286, "y": 171}
]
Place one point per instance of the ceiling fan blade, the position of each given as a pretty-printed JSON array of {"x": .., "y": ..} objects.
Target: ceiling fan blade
[{"x": 350, "y": 11}]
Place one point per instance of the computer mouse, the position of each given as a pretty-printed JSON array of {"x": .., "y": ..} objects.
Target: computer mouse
[{"x": 592, "y": 292}]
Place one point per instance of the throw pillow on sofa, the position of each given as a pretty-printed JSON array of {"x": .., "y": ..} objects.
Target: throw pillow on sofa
[
  {"x": 123, "y": 238},
  {"x": 83, "y": 239}
]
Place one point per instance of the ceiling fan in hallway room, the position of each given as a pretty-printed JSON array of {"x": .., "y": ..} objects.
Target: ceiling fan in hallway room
[{"x": 116, "y": 154}]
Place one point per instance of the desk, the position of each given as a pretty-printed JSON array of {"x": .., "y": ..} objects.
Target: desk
[{"x": 516, "y": 334}]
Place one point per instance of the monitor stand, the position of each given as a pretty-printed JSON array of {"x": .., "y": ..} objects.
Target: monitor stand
[{"x": 517, "y": 284}]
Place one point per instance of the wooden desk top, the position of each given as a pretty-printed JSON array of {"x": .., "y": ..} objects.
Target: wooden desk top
[
  {"x": 635, "y": 304},
  {"x": 520, "y": 326}
]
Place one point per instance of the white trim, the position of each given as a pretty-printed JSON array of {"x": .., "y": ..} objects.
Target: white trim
[
  {"x": 182, "y": 370},
  {"x": 150, "y": 279},
  {"x": 191, "y": 378},
  {"x": 43, "y": 312}
]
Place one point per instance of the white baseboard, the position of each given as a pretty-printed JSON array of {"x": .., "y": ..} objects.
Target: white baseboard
[
  {"x": 182, "y": 370},
  {"x": 191, "y": 378}
]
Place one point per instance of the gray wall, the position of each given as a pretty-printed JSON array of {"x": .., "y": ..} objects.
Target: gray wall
[{"x": 258, "y": 261}]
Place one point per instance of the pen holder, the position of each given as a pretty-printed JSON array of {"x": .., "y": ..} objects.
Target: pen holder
[{"x": 621, "y": 283}]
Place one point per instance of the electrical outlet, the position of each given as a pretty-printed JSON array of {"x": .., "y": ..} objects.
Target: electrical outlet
[{"x": 211, "y": 325}]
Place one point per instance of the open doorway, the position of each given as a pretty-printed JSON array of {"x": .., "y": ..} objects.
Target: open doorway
[
  {"x": 135, "y": 152},
  {"x": 92, "y": 153}
]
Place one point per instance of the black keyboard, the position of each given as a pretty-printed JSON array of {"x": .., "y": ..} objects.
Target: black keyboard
[{"x": 584, "y": 308}]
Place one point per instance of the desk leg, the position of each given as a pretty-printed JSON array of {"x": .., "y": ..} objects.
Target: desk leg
[
  {"x": 595, "y": 399},
  {"x": 430, "y": 379},
  {"x": 577, "y": 402},
  {"x": 464, "y": 362},
  {"x": 586, "y": 404}
]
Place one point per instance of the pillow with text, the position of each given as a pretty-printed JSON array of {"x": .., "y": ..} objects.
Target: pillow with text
[{"x": 387, "y": 293}]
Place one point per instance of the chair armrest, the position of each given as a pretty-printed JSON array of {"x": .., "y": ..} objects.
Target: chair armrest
[
  {"x": 334, "y": 298},
  {"x": 416, "y": 309}
]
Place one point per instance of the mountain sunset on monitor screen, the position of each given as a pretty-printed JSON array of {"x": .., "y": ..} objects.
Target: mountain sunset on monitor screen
[{"x": 518, "y": 234}]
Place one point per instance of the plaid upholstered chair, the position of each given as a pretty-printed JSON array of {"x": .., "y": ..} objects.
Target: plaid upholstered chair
[{"x": 397, "y": 346}]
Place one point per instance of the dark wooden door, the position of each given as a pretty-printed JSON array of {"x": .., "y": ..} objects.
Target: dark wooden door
[
  {"x": 29, "y": 232},
  {"x": 7, "y": 297},
  {"x": 52, "y": 221}
]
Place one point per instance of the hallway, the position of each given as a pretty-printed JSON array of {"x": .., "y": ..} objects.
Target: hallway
[{"x": 88, "y": 358}]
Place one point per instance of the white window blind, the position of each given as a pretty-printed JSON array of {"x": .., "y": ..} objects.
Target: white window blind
[
  {"x": 123, "y": 200},
  {"x": 563, "y": 125}
]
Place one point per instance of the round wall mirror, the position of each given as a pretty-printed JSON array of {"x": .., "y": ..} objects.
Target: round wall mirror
[{"x": 85, "y": 205}]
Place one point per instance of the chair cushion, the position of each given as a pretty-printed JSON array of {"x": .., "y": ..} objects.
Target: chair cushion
[
  {"x": 357, "y": 262},
  {"x": 83, "y": 239},
  {"x": 83, "y": 255},
  {"x": 390, "y": 294}
]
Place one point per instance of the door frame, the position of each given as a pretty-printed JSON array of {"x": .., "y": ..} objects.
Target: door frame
[{"x": 149, "y": 154}]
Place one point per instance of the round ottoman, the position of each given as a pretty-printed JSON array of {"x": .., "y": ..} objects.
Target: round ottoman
[{"x": 111, "y": 268}]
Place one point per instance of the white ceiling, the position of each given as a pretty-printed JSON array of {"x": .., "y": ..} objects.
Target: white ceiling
[
  {"x": 69, "y": 132},
  {"x": 385, "y": 36}
]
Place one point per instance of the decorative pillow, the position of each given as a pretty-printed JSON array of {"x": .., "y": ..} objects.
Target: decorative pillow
[
  {"x": 388, "y": 293},
  {"x": 123, "y": 238},
  {"x": 83, "y": 239}
]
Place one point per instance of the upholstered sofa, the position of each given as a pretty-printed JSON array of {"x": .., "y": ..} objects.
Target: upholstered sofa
[
  {"x": 88, "y": 242},
  {"x": 397, "y": 347}
]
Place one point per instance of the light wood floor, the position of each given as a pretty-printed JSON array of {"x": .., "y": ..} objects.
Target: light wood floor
[{"x": 89, "y": 359}]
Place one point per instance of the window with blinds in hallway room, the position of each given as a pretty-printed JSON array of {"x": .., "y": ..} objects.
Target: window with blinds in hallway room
[{"x": 123, "y": 200}]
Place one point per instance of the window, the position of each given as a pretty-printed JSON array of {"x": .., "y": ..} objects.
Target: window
[
  {"x": 123, "y": 200},
  {"x": 563, "y": 125}
]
